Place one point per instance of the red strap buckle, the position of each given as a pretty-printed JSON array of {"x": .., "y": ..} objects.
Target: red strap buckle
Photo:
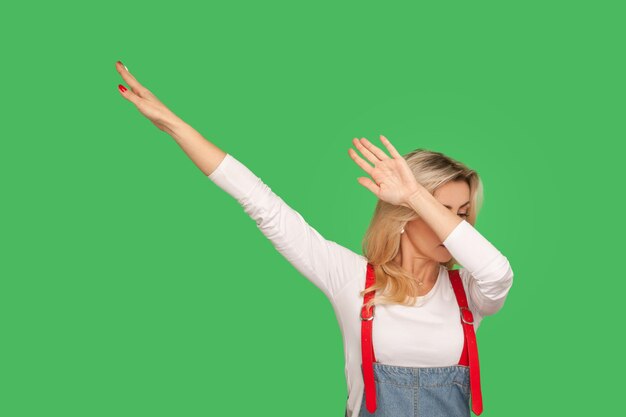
[
  {"x": 466, "y": 315},
  {"x": 367, "y": 318}
]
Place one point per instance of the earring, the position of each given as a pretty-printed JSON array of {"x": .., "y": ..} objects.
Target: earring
[{"x": 402, "y": 231}]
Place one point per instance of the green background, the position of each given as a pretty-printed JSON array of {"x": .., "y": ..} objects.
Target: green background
[{"x": 132, "y": 286}]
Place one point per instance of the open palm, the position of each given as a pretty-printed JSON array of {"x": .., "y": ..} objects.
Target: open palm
[{"x": 393, "y": 180}]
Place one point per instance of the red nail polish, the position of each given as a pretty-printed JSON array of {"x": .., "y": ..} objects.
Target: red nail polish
[{"x": 121, "y": 87}]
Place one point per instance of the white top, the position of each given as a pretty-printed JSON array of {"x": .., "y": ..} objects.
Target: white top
[{"x": 427, "y": 334}]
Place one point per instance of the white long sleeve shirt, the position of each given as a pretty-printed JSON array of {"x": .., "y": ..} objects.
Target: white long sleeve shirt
[{"x": 426, "y": 334}]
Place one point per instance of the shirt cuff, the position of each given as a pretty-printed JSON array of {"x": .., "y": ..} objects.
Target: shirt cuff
[
  {"x": 470, "y": 248},
  {"x": 234, "y": 177}
]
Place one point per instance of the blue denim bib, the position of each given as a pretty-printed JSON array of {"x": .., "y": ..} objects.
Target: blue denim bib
[{"x": 403, "y": 391}]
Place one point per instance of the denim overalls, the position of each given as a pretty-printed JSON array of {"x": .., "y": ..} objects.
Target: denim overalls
[
  {"x": 425, "y": 392},
  {"x": 440, "y": 391}
]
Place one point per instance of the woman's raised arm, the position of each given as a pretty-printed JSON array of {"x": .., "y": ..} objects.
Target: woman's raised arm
[{"x": 325, "y": 263}]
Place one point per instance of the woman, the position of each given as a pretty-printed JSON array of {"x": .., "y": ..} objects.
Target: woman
[{"x": 422, "y": 226}]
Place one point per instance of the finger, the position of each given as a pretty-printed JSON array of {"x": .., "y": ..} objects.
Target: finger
[
  {"x": 374, "y": 149},
  {"x": 392, "y": 150},
  {"x": 366, "y": 152},
  {"x": 360, "y": 162},
  {"x": 127, "y": 76},
  {"x": 130, "y": 79},
  {"x": 369, "y": 184},
  {"x": 129, "y": 95}
]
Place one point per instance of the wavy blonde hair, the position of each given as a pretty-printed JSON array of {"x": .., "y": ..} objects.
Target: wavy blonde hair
[{"x": 381, "y": 242}]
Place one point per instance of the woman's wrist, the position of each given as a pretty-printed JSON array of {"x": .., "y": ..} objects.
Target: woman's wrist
[
  {"x": 174, "y": 125},
  {"x": 414, "y": 197}
]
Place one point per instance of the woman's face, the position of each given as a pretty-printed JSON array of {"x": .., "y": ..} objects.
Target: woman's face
[{"x": 455, "y": 195}]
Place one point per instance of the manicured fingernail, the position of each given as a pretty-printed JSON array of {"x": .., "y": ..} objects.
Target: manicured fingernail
[
  {"x": 121, "y": 88},
  {"x": 123, "y": 65}
]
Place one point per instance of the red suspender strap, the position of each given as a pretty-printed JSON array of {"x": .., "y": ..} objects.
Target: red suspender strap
[
  {"x": 470, "y": 348},
  {"x": 367, "y": 347}
]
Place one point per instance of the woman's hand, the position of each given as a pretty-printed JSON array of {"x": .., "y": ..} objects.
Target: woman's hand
[
  {"x": 146, "y": 102},
  {"x": 394, "y": 181}
]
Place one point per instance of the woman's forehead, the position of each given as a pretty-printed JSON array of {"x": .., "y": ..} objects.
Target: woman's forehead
[{"x": 453, "y": 194}]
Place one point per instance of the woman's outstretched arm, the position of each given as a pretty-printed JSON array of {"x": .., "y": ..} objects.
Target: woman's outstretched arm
[{"x": 325, "y": 263}]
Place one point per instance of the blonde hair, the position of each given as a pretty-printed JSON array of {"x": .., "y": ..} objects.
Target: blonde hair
[{"x": 381, "y": 242}]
